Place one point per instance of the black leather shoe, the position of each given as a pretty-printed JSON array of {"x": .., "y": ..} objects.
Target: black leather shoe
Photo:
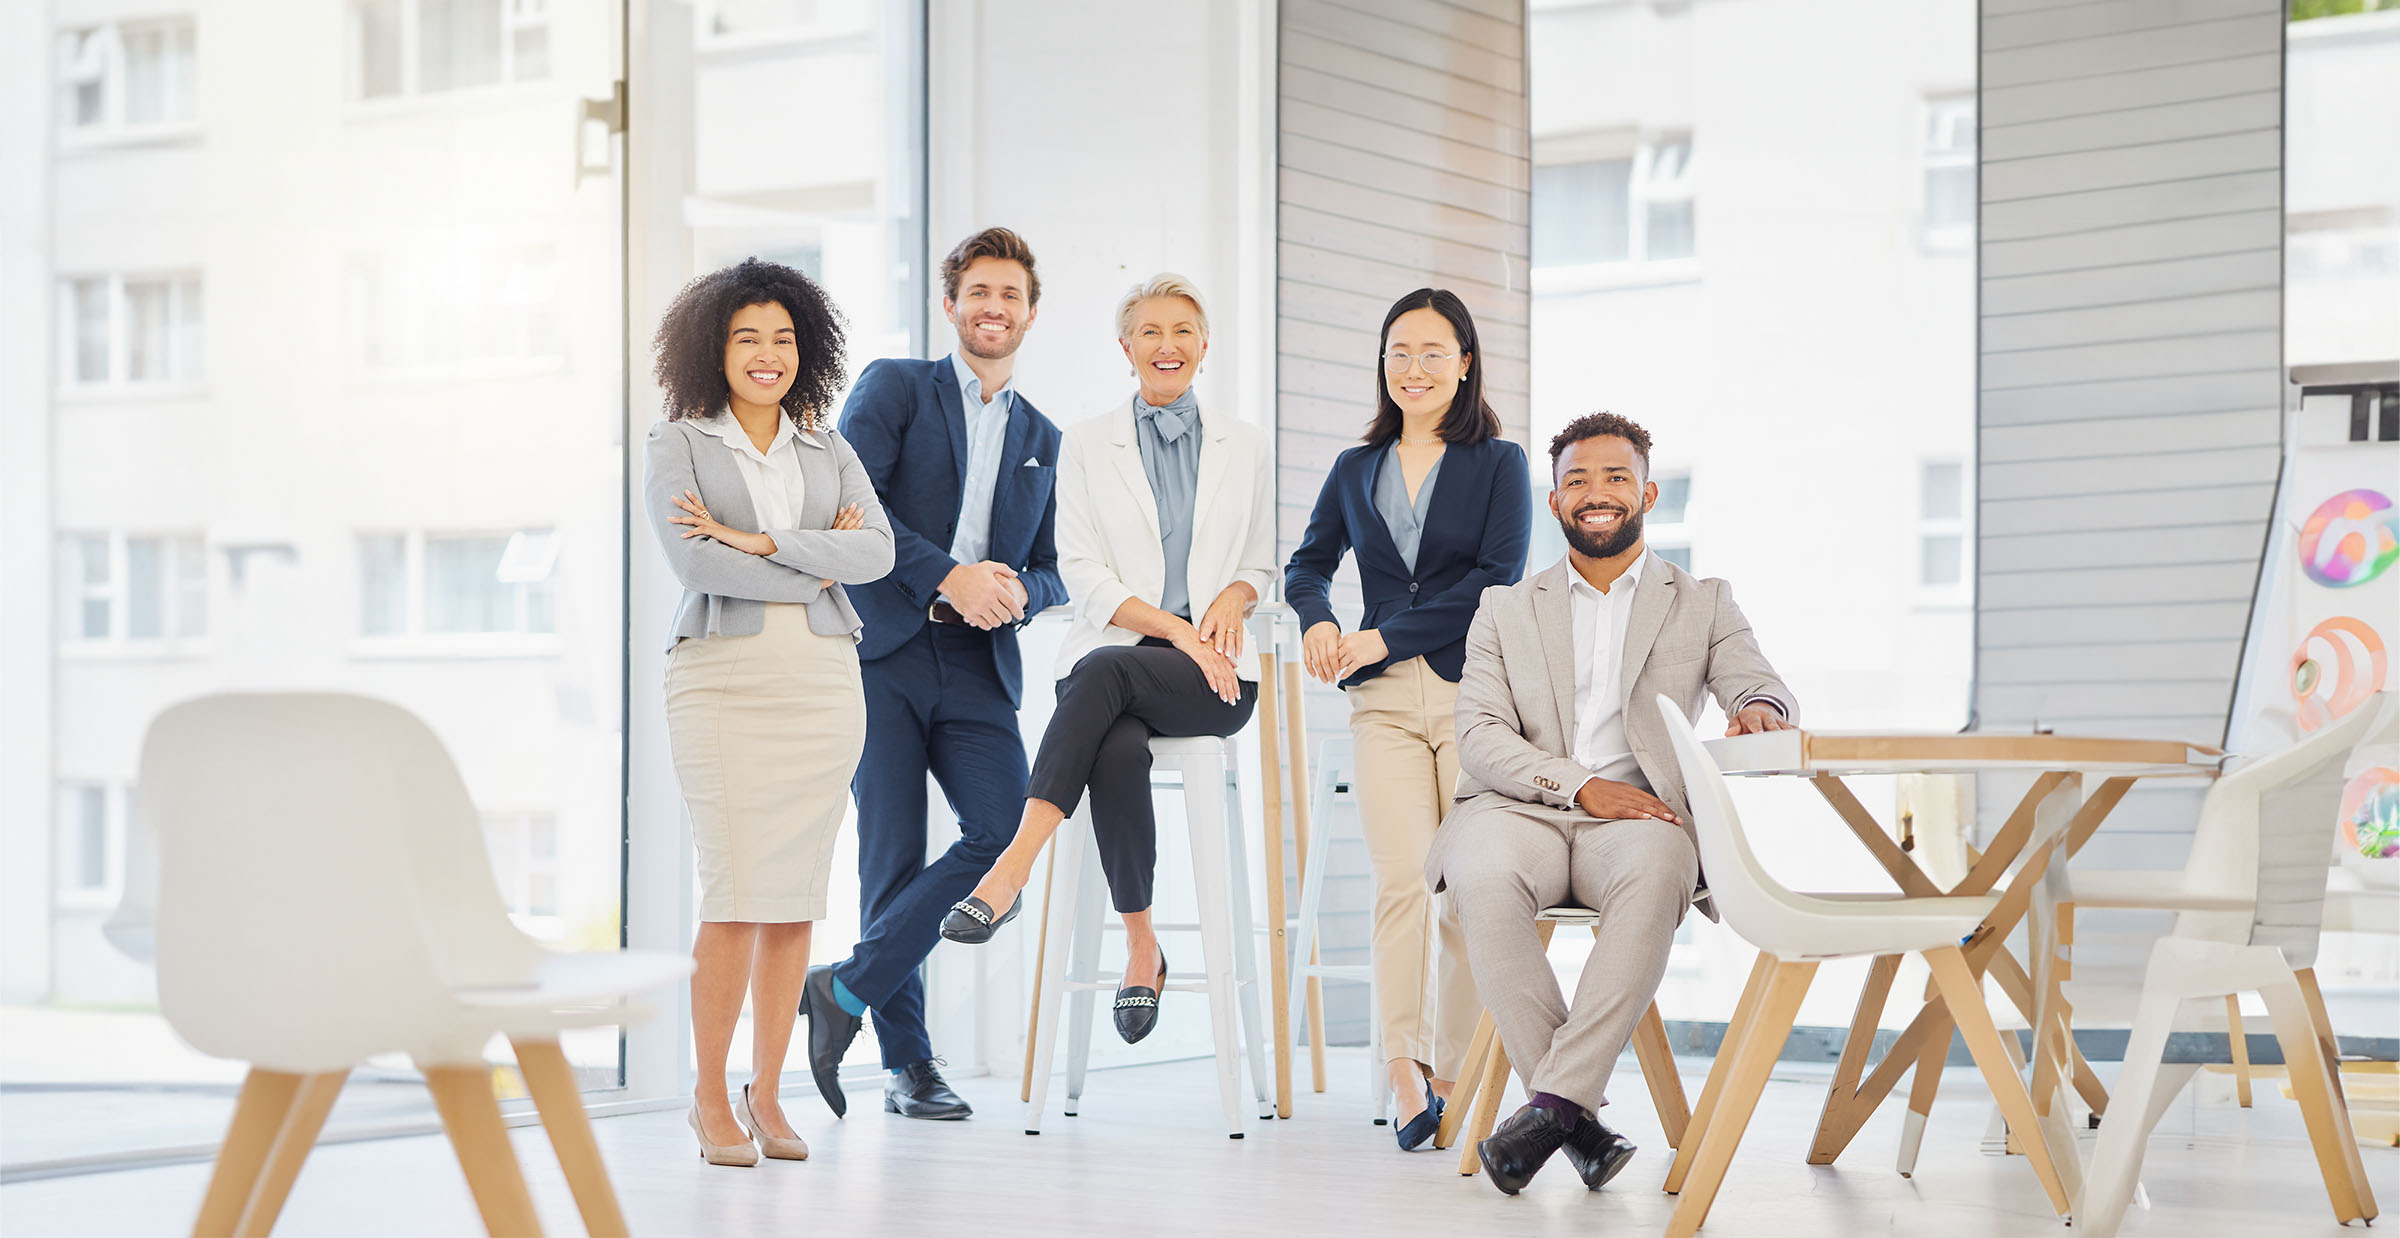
[
  {"x": 1137, "y": 1006},
  {"x": 919, "y": 1091},
  {"x": 1420, "y": 1128},
  {"x": 830, "y": 1031},
  {"x": 1515, "y": 1152},
  {"x": 972, "y": 923},
  {"x": 1597, "y": 1153}
]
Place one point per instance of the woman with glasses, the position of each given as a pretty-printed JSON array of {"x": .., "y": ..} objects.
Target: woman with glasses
[{"x": 1437, "y": 507}]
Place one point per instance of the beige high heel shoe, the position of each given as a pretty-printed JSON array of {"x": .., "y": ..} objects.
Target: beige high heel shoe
[
  {"x": 777, "y": 1149},
  {"x": 744, "y": 1154}
]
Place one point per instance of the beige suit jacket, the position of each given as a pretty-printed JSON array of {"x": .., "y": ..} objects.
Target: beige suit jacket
[{"x": 1516, "y": 697}]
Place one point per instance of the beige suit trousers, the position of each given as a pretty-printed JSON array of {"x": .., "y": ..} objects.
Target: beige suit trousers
[{"x": 1401, "y": 724}]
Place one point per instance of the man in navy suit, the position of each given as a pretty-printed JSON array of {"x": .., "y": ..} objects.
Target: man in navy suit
[{"x": 965, "y": 467}]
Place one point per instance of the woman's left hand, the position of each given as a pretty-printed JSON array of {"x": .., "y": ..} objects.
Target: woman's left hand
[
  {"x": 1360, "y": 649},
  {"x": 701, "y": 524},
  {"x": 1221, "y": 625},
  {"x": 850, "y": 519}
]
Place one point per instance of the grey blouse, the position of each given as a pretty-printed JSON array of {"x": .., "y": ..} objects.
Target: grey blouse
[
  {"x": 1404, "y": 520},
  {"x": 1169, "y": 440}
]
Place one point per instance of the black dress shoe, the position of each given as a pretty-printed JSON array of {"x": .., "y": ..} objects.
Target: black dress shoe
[
  {"x": 1417, "y": 1130},
  {"x": 1137, "y": 1006},
  {"x": 972, "y": 923},
  {"x": 1515, "y": 1152},
  {"x": 919, "y": 1091},
  {"x": 830, "y": 1031},
  {"x": 1597, "y": 1153}
]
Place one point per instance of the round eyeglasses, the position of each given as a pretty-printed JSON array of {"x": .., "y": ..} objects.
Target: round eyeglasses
[{"x": 1396, "y": 362}]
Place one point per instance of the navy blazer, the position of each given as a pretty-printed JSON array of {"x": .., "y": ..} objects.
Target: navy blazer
[
  {"x": 1476, "y": 526},
  {"x": 904, "y": 420}
]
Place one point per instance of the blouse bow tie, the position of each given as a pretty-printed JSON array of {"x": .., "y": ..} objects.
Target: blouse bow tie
[{"x": 1175, "y": 419}]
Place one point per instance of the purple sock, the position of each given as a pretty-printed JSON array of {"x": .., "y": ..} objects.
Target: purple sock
[{"x": 1567, "y": 1110}]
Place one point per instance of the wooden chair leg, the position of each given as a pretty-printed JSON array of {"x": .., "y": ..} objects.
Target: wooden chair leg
[
  {"x": 266, "y": 1098},
  {"x": 1836, "y": 1123},
  {"x": 1760, "y": 1046},
  {"x": 471, "y": 1116},
  {"x": 1745, "y": 1012},
  {"x": 1922, "y": 1089},
  {"x": 1657, "y": 1056},
  {"x": 1964, "y": 997},
  {"x": 1470, "y": 1083},
  {"x": 2322, "y": 1024},
  {"x": 1487, "y": 1107},
  {"x": 1041, "y": 951},
  {"x": 2239, "y": 1041},
  {"x": 552, "y": 1082},
  {"x": 292, "y": 1145}
]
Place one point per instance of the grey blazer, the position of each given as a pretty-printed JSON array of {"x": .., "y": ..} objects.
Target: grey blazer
[
  {"x": 725, "y": 591},
  {"x": 1516, "y": 694}
]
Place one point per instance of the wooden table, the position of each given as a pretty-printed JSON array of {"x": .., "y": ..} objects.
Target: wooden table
[{"x": 2051, "y": 822}]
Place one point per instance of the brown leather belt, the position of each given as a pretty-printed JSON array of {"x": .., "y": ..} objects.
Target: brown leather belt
[{"x": 944, "y": 612}]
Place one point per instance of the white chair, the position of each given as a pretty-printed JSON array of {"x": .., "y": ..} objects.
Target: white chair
[
  {"x": 1798, "y": 931},
  {"x": 2250, "y": 904},
  {"x": 324, "y": 896},
  {"x": 1334, "y": 764},
  {"x": 1205, "y": 770}
]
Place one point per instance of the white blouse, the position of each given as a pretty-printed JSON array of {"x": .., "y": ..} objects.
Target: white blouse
[{"x": 773, "y": 476}]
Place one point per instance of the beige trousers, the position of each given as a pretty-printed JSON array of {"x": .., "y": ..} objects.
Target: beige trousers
[{"x": 1401, "y": 724}]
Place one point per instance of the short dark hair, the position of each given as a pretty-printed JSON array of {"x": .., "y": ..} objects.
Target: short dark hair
[
  {"x": 689, "y": 348},
  {"x": 1470, "y": 419},
  {"x": 990, "y": 243},
  {"x": 1600, "y": 425}
]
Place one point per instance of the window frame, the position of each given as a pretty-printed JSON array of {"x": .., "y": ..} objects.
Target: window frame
[
  {"x": 112, "y": 128},
  {"x": 1667, "y": 535},
  {"x": 67, "y": 843},
  {"x": 1948, "y": 236},
  {"x": 416, "y": 638},
  {"x": 1960, "y": 593},
  {"x": 186, "y": 293},
  {"x": 181, "y": 548},
  {"x": 1645, "y": 187},
  {"x": 516, "y": 16}
]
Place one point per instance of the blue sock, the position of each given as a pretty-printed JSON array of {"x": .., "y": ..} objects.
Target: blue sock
[{"x": 847, "y": 1000}]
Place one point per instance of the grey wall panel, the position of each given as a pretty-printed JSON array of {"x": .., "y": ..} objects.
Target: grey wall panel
[
  {"x": 1403, "y": 160},
  {"x": 2129, "y": 369}
]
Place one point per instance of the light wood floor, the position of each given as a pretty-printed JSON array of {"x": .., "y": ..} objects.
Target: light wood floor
[{"x": 1146, "y": 1157}]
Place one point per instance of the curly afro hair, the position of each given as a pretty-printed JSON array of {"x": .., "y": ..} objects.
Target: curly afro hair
[
  {"x": 690, "y": 344},
  {"x": 1600, "y": 425}
]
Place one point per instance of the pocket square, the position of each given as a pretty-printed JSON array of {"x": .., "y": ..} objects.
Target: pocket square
[{"x": 1031, "y": 462}]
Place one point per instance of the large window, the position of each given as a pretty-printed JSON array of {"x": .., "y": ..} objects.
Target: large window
[
  {"x": 129, "y": 330},
  {"x": 118, "y": 589},
  {"x": 423, "y": 47},
  {"x": 1594, "y": 205},
  {"x": 127, "y": 80}
]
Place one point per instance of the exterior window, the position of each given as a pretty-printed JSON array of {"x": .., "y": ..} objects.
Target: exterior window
[
  {"x": 1637, "y": 207},
  {"x": 1666, "y": 529},
  {"x": 1949, "y": 172},
  {"x": 90, "y": 865},
  {"x": 132, "y": 588},
  {"x": 1942, "y": 527},
  {"x": 129, "y": 330},
  {"x": 130, "y": 79},
  {"x": 524, "y": 852},
  {"x": 424, "y": 47},
  {"x": 453, "y": 584}
]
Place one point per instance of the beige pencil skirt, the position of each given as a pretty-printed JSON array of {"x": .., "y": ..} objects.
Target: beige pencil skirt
[{"x": 766, "y": 731}]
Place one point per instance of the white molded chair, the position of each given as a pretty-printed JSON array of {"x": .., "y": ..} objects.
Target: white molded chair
[
  {"x": 1209, "y": 777},
  {"x": 1333, "y": 770},
  {"x": 1797, "y": 931},
  {"x": 324, "y": 896},
  {"x": 2251, "y": 904}
]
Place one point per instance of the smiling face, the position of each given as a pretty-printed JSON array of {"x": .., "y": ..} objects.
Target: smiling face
[
  {"x": 1165, "y": 346},
  {"x": 762, "y": 353},
  {"x": 1423, "y": 387},
  {"x": 1602, "y": 491},
  {"x": 993, "y": 308}
]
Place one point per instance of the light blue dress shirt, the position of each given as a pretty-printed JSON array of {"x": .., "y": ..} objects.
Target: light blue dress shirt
[
  {"x": 987, "y": 433},
  {"x": 1168, "y": 438},
  {"x": 1403, "y": 519}
]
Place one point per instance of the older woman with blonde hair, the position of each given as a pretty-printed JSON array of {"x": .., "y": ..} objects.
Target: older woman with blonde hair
[{"x": 1166, "y": 540}]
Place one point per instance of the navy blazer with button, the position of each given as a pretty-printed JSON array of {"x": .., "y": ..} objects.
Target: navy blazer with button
[
  {"x": 904, "y": 420},
  {"x": 1476, "y": 527}
]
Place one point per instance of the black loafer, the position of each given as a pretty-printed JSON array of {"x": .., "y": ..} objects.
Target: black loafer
[
  {"x": 919, "y": 1091},
  {"x": 1515, "y": 1152},
  {"x": 972, "y": 923},
  {"x": 1420, "y": 1128},
  {"x": 830, "y": 1031},
  {"x": 1597, "y": 1153},
  {"x": 1137, "y": 1006}
]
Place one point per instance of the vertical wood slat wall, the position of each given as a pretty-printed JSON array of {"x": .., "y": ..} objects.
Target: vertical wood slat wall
[
  {"x": 2130, "y": 376},
  {"x": 1403, "y": 160}
]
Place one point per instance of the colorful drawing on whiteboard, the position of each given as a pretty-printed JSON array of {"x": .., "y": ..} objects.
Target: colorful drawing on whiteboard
[
  {"x": 2359, "y": 665},
  {"x": 2350, "y": 539},
  {"x": 2371, "y": 813}
]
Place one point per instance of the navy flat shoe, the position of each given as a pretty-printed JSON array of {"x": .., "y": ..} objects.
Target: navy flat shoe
[
  {"x": 972, "y": 923},
  {"x": 1137, "y": 1007},
  {"x": 1421, "y": 1127}
]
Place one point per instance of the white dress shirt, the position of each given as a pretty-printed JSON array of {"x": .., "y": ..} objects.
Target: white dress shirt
[
  {"x": 773, "y": 476},
  {"x": 1600, "y": 619}
]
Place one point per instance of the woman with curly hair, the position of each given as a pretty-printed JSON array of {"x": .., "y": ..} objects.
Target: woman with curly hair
[{"x": 764, "y": 513}]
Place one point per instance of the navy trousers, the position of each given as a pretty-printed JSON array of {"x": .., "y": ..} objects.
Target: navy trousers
[{"x": 933, "y": 705}]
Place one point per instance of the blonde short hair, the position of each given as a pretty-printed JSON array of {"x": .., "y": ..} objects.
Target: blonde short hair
[{"x": 1163, "y": 284}]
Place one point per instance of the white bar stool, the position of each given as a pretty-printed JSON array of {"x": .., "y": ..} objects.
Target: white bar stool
[
  {"x": 1334, "y": 761},
  {"x": 1210, "y": 779}
]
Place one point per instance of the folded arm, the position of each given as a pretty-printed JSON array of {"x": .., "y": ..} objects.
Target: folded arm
[
  {"x": 843, "y": 556},
  {"x": 703, "y": 564}
]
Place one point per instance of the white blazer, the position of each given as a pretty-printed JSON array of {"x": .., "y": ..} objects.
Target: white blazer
[{"x": 1108, "y": 539}]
